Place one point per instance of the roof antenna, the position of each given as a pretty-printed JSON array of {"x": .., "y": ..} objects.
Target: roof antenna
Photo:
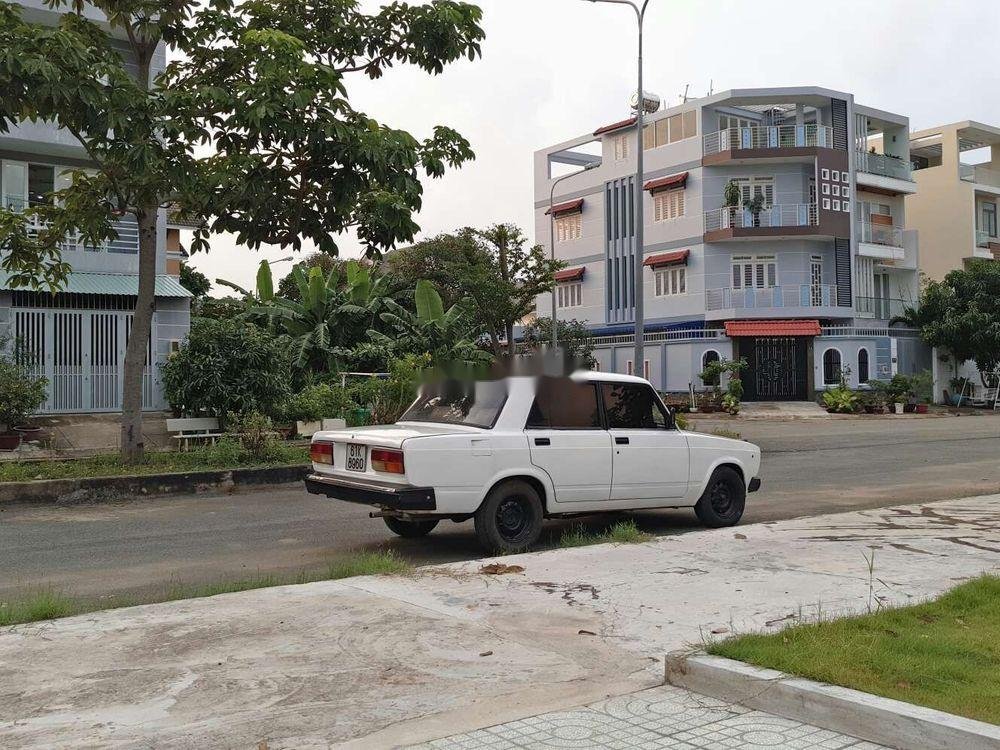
[
  {"x": 711, "y": 86},
  {"x": 684, "y": 96}
]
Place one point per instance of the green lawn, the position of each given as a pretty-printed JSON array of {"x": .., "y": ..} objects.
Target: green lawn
[
  {"x": 48, "y": 604},
  {"x": 944, "y": 654},
  {"x": 225, "y": 455}
]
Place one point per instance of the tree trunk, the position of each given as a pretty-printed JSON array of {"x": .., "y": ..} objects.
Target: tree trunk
[
  {"x": 511, "y": 347},
  {"x": 135, "y": 352}
]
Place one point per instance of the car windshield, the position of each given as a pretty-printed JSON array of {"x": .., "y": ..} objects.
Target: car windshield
[{"x": 476, "y": 404}]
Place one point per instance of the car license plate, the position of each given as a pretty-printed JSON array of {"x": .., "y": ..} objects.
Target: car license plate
[{"x": 357, "y": 456}]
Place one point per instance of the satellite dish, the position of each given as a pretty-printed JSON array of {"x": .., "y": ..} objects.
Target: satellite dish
[{"x": 650, "y": 102}]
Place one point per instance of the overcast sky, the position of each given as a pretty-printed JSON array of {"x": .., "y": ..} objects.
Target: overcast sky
[{"x": 554, "y": 69}]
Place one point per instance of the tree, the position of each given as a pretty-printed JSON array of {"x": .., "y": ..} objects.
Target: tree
[
  {"x": 493, "y": 268},
  {"x": 260, "y": 88},
  {"x": 195, "y": 282},
  {"x": 574, "y": 338},
  {"x": 227, "y": 366},
  {"x": 288, "y": 287},
  {"x": 962, "y": 314}
]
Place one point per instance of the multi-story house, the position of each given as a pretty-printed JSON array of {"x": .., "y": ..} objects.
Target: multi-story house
[
  {"x": 955, "y": 206},
  {"x": 772, "y": 232},
  {"x": 76, "y": 338}
]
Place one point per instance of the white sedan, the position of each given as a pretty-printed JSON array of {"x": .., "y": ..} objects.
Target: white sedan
[{"x": 509, "y": 453}]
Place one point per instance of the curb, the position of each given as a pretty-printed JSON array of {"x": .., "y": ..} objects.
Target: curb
[
  {"x": 51, "y": 490},
  {"x": 852, "y": 712}
]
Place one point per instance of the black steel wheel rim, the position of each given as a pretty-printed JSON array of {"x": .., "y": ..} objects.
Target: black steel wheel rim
[
  {"x": 721, "y": 498},
  {"x": 513, "y": 517}
]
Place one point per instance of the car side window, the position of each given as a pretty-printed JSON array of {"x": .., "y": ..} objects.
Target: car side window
[
  {"x": 634, "y": 407},
  {"x": 563, "y": 404}
]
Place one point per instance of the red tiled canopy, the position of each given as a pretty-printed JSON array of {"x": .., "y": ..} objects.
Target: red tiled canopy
[
  {"x": 615, "y": 126},
  {"x": 736, "y": 328},
  {"x": 675, "y": 258},
  {"x": 566, "y": 208},
  {"x": 570, "y": 274},
  {"x": 664, "y": 183}
]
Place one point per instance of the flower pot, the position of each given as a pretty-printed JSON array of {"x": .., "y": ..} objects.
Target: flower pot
[
  {"x": 29, "y": 432},
  {"x": 897, "y": 408},
  {"x": 9, "y": 441},
  {"x": 921, "y": 408},
  {"x": 909, "y": 408}
]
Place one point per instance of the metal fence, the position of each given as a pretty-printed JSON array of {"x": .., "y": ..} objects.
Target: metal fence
[
  {"x": 794, "y": 295},
  {"x": 780, "y": 215},
  {"x": 769, "y": 136}
]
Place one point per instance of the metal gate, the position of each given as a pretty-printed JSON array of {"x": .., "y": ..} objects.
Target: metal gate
[
  {"x": 82, "y": 354},
  {"x": 777, "y": 368}
]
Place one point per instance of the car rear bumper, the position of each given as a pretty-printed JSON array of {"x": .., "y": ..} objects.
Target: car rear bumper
[
  {"x": 368, "y": 492},
  {"x": 754, "y": 485}
]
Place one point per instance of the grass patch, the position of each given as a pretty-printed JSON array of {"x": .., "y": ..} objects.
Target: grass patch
[
  {"x": 728, "y": 434},
  {"x": 226, "y": 454},
  {"x": 944, "y": 654},
  {"x": 50, "y": 605},
  {"x": 623, "y": 532}
]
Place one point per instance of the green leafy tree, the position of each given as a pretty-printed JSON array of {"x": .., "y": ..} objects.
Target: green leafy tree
[
  {"x": 227, "y": 366},
  {"x": 289, "y": 288},
  {"x": 574, "y": 338},
  {"x": 195, "y": 282},
  {"x": 494, "y": 269},
  {"x": 261, "y": 90}
]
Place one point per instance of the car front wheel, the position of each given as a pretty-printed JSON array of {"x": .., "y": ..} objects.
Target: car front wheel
[
  {"x": 510, "y": 518},
  {"x": 410, "y": 529},
  {"x": 724, "y": 499}
]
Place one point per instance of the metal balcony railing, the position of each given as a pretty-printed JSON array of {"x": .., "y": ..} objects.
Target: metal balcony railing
[
  {"x": 878, "y": 308},
  {"x": 126, "y": 243},
  {"x": 782, "y": 215},
  {"x": 886, "y": 166},
  {"x": 794, "y": 295},
  {"x": 769, "y": 136},
  {"x": 880, "y": 234}
]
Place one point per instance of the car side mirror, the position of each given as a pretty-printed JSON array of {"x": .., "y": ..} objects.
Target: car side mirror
[{"x": 671, "y": 419}]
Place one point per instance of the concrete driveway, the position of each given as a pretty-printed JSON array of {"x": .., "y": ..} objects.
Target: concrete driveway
[{"x": 388, "y": 661}]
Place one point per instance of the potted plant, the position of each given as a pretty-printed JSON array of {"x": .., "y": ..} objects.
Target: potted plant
[
  {"x": 754, "y": 206},
  {"x": 899, "y": 393},
  {"x": 922, "y": 390},
  {"x": 21, "y": 393},
  {"x": 731, "y": 195}
]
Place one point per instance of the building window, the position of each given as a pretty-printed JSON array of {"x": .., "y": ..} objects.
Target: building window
[
  {"x": 706, "y": 359},
  {"x": 623, "y": 146},
  {"x": 755, "y": 271},
  {"x": 41, "y": 184},
  {"x": 671, "y": 281},
  {"x": 831, "y": 367},
  {"x": 989, "y": 219},
  {"x": 668, "y": 204},
  {"x": 751, "y": 187},
  {"x": 569, "y": 295},
  {"x": 732, "y": 121},
  {"x": 670, "y": 130},
  {"x": 569, "y": 227},
  {"x": 863, "y": 365}
]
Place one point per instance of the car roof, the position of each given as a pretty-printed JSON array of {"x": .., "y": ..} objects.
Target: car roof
[{"x": 608, "y": 377}]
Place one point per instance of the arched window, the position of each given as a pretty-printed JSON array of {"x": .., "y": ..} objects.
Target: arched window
[
  {"x": 706, "y": 359},
  {"x": 863, "y": 366},
  {"x": 831, "y": 367}
]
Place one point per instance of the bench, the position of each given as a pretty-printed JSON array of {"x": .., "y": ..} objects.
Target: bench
[{"x": 195, "y": 430}]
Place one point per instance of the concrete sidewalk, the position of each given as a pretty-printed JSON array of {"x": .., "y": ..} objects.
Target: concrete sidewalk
[{"x": 390, "y": 661}]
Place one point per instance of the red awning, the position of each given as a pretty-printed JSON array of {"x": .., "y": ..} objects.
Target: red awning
[
  {"x": 676, "y": 258},
  {"x": 565, "y": 208},
  {"x": 615, "y": 126},
  {"x": 674, "y": 180},
  {"x": 570, "y": 274},
  {"x": 736, "y": 328}
]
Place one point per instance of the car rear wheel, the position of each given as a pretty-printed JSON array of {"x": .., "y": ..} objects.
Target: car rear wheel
[
  {"x": 510, "y": 518},
  {"x": 410, "y": 529},
  {"x": 724, "y": 499}
]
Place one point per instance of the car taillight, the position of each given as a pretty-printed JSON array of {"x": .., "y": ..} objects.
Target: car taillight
[
  {"x": 321, "y": 453},
  {"x": 390, "y": 462}
]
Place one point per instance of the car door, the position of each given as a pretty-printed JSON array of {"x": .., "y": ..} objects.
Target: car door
[
  {"x": 567, "y": 439},
  {"x": 651, "y": 457}
]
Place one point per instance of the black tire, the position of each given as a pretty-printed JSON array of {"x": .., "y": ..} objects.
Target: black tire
[
  {"x": 724, "y": 499},
  {"x": 410, "y": 529},
  {"x": 510, "y": 518}
]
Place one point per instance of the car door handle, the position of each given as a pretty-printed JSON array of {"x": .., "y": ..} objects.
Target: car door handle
[
  {"x": 543, "y": 441},
  {"x": 621, "y": 441}
]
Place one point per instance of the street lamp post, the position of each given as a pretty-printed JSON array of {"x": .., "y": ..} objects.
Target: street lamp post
[
  {"x": 552, "y": 240},
  {"x": 637, "y": 368}
]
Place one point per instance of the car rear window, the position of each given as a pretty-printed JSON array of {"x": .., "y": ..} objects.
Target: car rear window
[
  {"x": 563, "y": 404},
  {"x": 476, "y": 404}
]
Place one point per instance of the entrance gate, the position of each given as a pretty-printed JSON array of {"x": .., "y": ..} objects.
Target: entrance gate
[
  {"x": 82, "y": 354},
  {"x": 777, "y": 368}
]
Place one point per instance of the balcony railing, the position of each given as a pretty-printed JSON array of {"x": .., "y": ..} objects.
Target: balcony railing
[
  {"x": 794, "y": 295},
  {"x": 979, "y": 175},
  {"x": 782, "y": 215},
  {"x": 769, "y": 136},
  {"x": 886, "y": 166},
  {"x": 126, "y": 242},
  {"x": 878, "y": 308},
  {"x": 983, "y": 239},
  {"x": 880, "y": 234}
]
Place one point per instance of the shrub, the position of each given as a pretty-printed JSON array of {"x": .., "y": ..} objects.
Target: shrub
[
  {"x": 227, "y": 366},
  {"x": 388, "y": 398},
  {"x": 315, "y": 402},
  {"x": 21, "y": 393},
  {"x": 840, "y": 400}
]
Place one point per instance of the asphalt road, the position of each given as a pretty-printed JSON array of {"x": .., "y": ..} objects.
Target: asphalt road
[{"x": 148, "y": 545}]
